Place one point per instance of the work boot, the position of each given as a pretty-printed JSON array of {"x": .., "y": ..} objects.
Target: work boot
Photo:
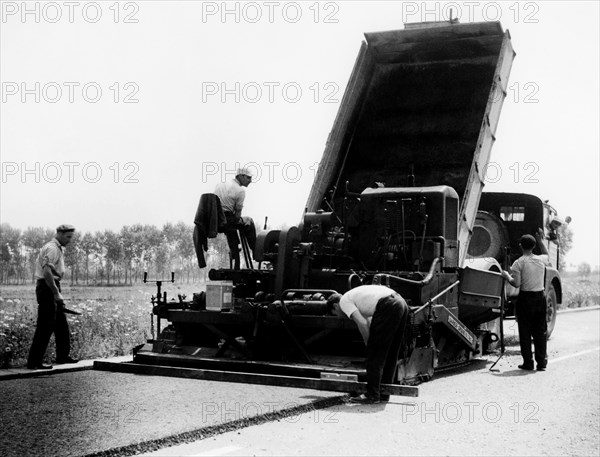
[
  {"x": 40, "y": 366},
  {"x": 365, "y": 400},
  {"x": 526, "y": 366},
  {"x": 66, "y": 360}
]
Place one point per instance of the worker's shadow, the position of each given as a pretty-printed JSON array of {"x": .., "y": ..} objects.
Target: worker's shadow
[
  {"x": 512, "y": 351},
  {"x": 497, "y": 369},
  {"x": 378, "y": 407},
  {"x": 513, "y": 372},
  {"x": 342, "y": 403},
  {"x": 394, "y": 402}
]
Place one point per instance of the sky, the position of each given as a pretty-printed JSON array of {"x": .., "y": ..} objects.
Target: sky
[{"x": 117, "y": 113}]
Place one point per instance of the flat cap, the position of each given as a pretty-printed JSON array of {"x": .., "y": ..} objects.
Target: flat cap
[{"x": 65, "y": 228}]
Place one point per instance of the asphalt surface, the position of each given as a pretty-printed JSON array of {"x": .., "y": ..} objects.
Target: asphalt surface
[
  {"x": 469, "y": 414},
  {"x": 87, "y": 412},
  {"x": 79, "y": 413},
  {"x": 472, "y": 411}
]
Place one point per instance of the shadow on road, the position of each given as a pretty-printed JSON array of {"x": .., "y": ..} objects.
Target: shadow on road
[
  {"x": 471, "y": 366},
  {"x": 515, "y": 351},
  {"x": 512, "y": 373},
  {"x": 367, "y": 409},
  {"x": 362, "y": 409},
  {"x": 320, "y": 397}
]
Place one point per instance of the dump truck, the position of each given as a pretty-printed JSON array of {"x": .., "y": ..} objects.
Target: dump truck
[
  {"x": 395, "y": 201},
  {"x": 501, "y": 219}
]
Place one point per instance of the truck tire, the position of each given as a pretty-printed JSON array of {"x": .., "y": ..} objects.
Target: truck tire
[
  {"x": 551, "y": 306},
  {"x": 489, "y": 237}
]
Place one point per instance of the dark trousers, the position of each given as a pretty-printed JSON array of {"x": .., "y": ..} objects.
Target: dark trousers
[
  {"x": 531, "y": 319},
  {"x": 385, "y": 339},
  {"x": 49, "y": 321},
  {"x": 233, "y": 240}
]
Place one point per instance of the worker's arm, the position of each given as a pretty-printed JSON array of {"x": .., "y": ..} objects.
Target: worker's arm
[
  {"x": 239, "y": 205},
  {"x": 49, "y": 278},
  {"x": 362, "y": 324},
  {"x": 514, "y": 277},
  {"x": 539, "y": 236}
]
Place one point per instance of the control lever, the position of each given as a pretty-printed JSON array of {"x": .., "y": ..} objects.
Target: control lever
[{"x": 161, "y": 297}]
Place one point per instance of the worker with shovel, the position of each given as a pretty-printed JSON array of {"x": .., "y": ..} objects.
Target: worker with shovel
[{"x": 49, "y": 269}]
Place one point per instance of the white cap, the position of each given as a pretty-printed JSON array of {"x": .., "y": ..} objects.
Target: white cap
[{"x": 244, "y": 171}]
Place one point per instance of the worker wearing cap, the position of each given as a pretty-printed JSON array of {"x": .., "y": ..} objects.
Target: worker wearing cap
[
  {"x": 380, "y": 315},
  {"x": 528, "y": 273},
  {"x": 49, "y": 270},
  {"x": 232, "y": 195}
]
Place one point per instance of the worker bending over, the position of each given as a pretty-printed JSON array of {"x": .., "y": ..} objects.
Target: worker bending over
[{"x": 380, "y": 315}]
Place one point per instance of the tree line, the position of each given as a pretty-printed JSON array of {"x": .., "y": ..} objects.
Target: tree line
[
  {"x": 120, "y": 258},
  {"x": 112, "y": 257}
]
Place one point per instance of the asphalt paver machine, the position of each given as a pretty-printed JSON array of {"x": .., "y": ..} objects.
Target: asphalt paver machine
[{"x": 394, "y": 202}]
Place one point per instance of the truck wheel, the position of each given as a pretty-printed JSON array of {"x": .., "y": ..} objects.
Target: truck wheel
[{"x": 551, "y": 304}]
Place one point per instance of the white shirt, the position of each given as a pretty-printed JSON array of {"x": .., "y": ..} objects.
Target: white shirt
[
  {"x": 364, "y": 299},
  {"x": 232, "y": 196},
  {"x": 529, "y": 271},
  {"x": 52, "y": 255}
]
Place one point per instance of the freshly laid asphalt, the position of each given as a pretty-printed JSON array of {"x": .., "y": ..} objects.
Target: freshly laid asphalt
[{"x": 86, "y": 412}]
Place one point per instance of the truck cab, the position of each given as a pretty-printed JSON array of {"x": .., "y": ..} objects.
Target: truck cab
[{"x": 502, "y": 218}]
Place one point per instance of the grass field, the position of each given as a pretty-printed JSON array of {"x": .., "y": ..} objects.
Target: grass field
[
  {"x": 113, "y": 320},
  {"x": 580, "y": 293},
  {"x": 116, "y": 319}
]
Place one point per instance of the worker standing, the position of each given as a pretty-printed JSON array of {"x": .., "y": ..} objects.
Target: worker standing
[
  {"x": 528, "y": 273},
  {"x": 380, "y": 315},
  {"x": 232, "y": 195},
  {"x": 49, "y": 270}
]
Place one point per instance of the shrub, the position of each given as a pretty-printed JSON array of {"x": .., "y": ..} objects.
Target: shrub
[{"x": 112, "y": 323}]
